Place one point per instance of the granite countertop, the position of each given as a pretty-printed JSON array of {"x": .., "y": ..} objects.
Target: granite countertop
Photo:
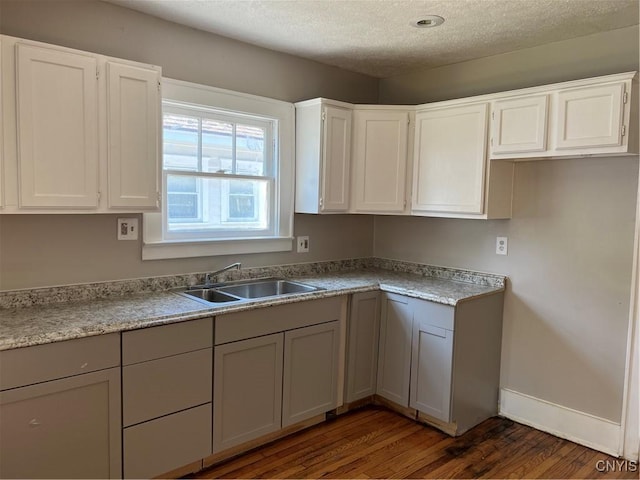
[{"x": 45, "y": 323}]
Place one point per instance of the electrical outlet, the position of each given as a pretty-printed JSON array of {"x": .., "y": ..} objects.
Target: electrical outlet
[
  {"x": 303, "y": 244},
  {"x": 502, "y": 245},
  {"x": 127, "y": 229}
]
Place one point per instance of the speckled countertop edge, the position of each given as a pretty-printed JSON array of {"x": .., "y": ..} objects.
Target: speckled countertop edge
[{"x": 45, "y": 323}]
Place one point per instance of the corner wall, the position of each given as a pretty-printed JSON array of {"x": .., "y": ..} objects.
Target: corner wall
[{"x": 570, "y": 241}]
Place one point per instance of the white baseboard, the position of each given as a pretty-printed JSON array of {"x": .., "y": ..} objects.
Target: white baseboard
[{"x": 579, "y": 427}]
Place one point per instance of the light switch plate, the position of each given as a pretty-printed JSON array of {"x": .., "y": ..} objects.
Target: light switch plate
[
  {"x": 502, "y": 245},
  {"x": 127, "y": 229},
  {"x": 303, "y": 244}
]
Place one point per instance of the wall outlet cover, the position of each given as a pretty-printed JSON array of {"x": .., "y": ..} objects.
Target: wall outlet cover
[
  {"x": 302, "y": 244},
  {"x": 502, "y": 245},
  {"x": 127, "y": 229}
]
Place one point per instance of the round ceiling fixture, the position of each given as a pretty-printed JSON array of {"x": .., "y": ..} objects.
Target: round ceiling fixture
[{"x": 428, "y": 21}]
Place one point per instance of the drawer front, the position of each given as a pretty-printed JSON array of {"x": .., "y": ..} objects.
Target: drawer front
[
  {"x": 265, "y": 321},
  {"x": 436, "y": 314},
  {"x": 166, "y": 340},
  {"x": 167, "y": 385},
  {"x": 162, "y": 445},
  {"x": 25, "y": 366}
]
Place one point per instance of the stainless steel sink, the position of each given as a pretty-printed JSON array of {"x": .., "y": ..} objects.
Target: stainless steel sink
[
  {"x": 247, "y": 290},
  {"x": 267, "y": 288},
  {"x": 211, "y": 295}
]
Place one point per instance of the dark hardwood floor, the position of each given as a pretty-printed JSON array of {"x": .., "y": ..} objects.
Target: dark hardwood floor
[{"x": 375, "y": 443}]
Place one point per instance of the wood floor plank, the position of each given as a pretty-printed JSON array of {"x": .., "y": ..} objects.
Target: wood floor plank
[{"x": 374, "y": 442}]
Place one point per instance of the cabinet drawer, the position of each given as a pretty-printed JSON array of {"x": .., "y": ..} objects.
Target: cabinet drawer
[
  {"x": 435, "y": 314},
  {"x": 161, "y": 445},
  {"x": 265, "y": 321},
  {"x": 167, "y": 385},
  {"x": 166, "y": 340},
  {"x": 25, "y": 366}
]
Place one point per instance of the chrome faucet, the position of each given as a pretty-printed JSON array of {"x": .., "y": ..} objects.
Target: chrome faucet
[{"x": 209, "y": 276}]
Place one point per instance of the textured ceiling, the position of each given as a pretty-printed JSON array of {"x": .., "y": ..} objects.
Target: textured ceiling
[{"x": 374, "y": 36}]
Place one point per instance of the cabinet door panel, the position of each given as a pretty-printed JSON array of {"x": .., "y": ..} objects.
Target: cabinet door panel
[
  {"x": 394, "y": 356},
  {"x": 247, "y": 390},
  {"x": 590, "y": 117},
  {"x": 520, "y": 125},
  {"x": 432, "y": 357},
  {"x": 450, "y": 159},
  {"x": 57, "y": 106},
  {"x": 336, "y": 161},
  {"x": 167, "y": 443},
  {"x": 67, "y": 428},
  {"x": 310, "y": 382},
  {"x": 160, "y": 387},
  {"x": 380, "y": 159},
  {"x": 364, "y": 331},
  {"x": 133, "y": 136}
]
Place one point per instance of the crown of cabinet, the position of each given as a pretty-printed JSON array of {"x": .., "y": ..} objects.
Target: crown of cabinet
[{"x": 81, "y": 131}]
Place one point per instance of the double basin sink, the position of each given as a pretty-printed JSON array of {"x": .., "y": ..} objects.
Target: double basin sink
[{"x": 247, "y": 290}]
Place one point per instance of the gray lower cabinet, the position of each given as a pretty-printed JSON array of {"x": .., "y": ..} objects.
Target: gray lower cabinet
[
  {"x": 440, "y": 360},
  {"x": 310, "y": 383},
  {"x": 247, "y": 390},
  {"x": 166, "y": 397},
  {"x": 431, "y": 364},
  {"x": 274, "y": 367},
  {"x": 362, "y": 345},
  {"x": 394, "y": 354},
  {"x": 67, "y": 427}
]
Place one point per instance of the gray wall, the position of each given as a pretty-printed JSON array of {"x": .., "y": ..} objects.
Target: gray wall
[
  {"x": 60, "y": 249},
  {"x": 570, "y": 238}
]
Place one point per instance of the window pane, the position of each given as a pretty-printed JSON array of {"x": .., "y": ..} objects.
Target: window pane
[
  {"x": 217, "y": 204},
  {"x": 180, "y": 137},
  {"x": 250, "y": 150},
  {"x": 217, "y": 146}
]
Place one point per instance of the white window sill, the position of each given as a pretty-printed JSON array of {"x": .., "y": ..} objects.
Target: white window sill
[{"x": 186, "y": 249}]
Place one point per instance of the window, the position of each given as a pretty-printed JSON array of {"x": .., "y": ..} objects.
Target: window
[{"x": 227, "y": 174}]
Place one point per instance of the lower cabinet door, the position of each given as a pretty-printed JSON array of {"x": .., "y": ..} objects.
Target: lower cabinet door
[
  {"x": 362, "y": 344},
  {"x": 68, "y": 428},
  {"x": 432, "y": 358},
  {"x": 394, "y": 355},
  {"x": 247, "y": 390},
  {"x": 310, "y": 384},
  {"x": 164, "y": 444}
]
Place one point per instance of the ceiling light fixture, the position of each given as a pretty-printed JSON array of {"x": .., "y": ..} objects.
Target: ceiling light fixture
[{"x": 428, "y": 21}]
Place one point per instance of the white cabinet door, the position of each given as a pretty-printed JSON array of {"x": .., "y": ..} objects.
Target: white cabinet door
[
  {"x": 133, "y": 112},
  {"x": 450, "y": 159},
  {"x": 310, "y": 383},
  {"x": 380, "y": 160},
  {"x": 362, "y": 344},
  {"x": 336, "y": 159},
  {"x": 431, "y": 362},
  {"x": 590, "y": 116},
  {"x": 57, "y": 104},
  {"x": 394, "y": 355},
  {"x": 519, "y": 125},
  {"x": 247, "y": 390}
]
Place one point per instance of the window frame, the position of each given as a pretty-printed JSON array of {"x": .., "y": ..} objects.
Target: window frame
[{"x": 157, "y": 244}]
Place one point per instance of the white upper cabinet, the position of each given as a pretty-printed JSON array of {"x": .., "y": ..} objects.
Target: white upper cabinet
[
  {"x": 57, "y": 106},
  {"x": 450, "y": 159},
  {"x": 582, "y": 117},
  {"x": 590, "y": 116},
  {"x": 133, "y": 106},
  {"x": 379, "y": 160},
  {"x": 323, "y": 156},
  {"x": 81, "y": 132},
  {"x": 520, "y": 124}
]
